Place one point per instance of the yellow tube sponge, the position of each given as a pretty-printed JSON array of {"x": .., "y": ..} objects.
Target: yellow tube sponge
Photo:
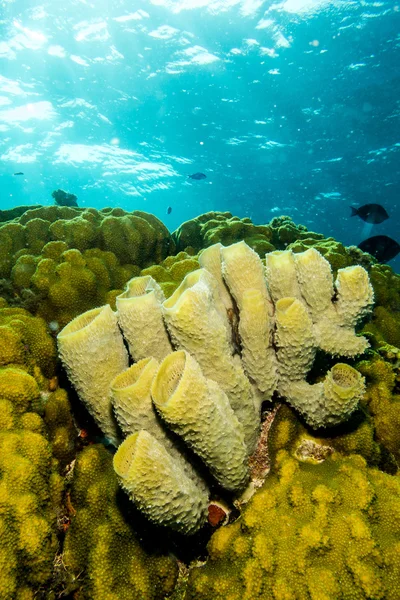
[
  {"x": 197, "y": 326},
  {"x": 294, "y": 340},
  {"x": 211, "y": 259},
  {"x": 92, "y": 350},
  {"x": 140, "y": 318},
  {"x": 243, "y": 272},
  {"x": 328, "y": 403},
  {"x": 134, "y": 410},
  {"x": 255, "y": 331},
  {"x": 314, "y": 275},
  {"x": 199, "y": 412},
  {"x": 158, "y": 486},
  {"x": 355, "y": 295},
  {"x": 131, "y": 399},
  {"x": 280, "y": 269}
]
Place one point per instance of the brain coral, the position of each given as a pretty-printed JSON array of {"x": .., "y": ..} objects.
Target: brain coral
[{"x": 313, "y": 532}]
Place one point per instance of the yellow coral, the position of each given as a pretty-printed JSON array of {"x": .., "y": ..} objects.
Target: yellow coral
[{"x": 293, "y": 555}]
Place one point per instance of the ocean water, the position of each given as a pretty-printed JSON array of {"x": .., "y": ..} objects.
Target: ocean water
[{"x": 288, "y": 108}]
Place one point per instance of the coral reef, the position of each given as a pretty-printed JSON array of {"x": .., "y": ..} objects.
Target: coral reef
[
  {"x": 102, "y": 554},
  {"x": 222, "y": 227},
  {"x": 324, "y": 525},
  {"x": 171, "y": 271},
  {"x": 37, "y": 441},
  {"x": 201, "y": 391},
  {"x": 58, "y": 261},
  {"x": 308, "y": 534}
]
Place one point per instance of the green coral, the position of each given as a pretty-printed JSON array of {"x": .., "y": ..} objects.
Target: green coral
[
  {"x": 101, "y": 549},
  {"x": 284, "y": 232},
  {"x": 25, "y": 340},
  {"x": 172, "y": 271},
  {"x": 28, "y": 541},
  {"x": 34, "y": 414},
  {"x": 59, "y": 261},
  {"x": 306, "y": 535},
  {"x": 213, "y": 227},
  {"x": 30, "y": 490},
  {"x": 355, "y": 437},
  {"x": 383, "y": 403},
  {"x": 66, "y": 282}
]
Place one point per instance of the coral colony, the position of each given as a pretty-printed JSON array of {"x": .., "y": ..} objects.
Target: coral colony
[
  {"x": 245, "y": 381},
  {"x": 203, "y": 390}
]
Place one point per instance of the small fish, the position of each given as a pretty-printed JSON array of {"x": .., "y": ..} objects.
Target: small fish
[
  {"x": 382, "y": 247},
  {"x": 197, "y": 176},
  {"x": 371, "y": 213},
  {"x": 19, "y": 173},
  {"x": 169, "y": 210}
]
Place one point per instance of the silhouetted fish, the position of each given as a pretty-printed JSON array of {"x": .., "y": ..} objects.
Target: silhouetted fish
[
  {"x": 19, "y": 173},
  {"x": 371, "y": 213},
  {"x": 197, "y": 176},
  {"x": 169, "y": 210},
  {"x": 382, "y": 247}
]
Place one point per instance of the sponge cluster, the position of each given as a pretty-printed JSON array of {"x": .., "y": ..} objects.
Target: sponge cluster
[{"x": 235, "y": 332}]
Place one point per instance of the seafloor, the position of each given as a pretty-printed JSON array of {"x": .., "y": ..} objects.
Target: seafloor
[{"x": 324, "y": 522}]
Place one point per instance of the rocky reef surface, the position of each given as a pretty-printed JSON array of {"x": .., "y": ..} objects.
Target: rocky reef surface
[{"x": 322, "y": 520}]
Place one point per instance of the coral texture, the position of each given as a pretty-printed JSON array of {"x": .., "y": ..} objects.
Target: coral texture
[
  {"x": 37, "y": 440},
  {"x": 59, "y": 261},
  {"x": 101, "y": 552},
  {"x": 308, "y": 535}
]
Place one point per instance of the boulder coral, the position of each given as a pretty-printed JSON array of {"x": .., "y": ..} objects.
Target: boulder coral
[
  {"x": 51, "y": 254},
  {"x": 222, "y": 227},
  {"x": 60, "y": 284},
  {"x": 102, "y": 554},
  {"x": 209, "y": 390},
  {"x": 37, "y": 441},
  {"x": 307, "y": 534},
  {"x": 171, "y": 271}
]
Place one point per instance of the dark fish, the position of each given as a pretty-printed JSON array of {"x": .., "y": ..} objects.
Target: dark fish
[
  {"x": 169, "y": 210},
  {"x": 382, "y": 247},
  {"x": 371, "y": 213},
  {"x": 197, "y": 176},
  {"x": 19, "y": 173}
]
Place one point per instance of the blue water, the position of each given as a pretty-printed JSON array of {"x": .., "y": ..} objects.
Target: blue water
[{"x": 288, "y": 108}]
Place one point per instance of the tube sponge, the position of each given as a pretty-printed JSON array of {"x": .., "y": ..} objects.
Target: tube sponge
[
  {"x": 328, "y": 403},
  {"x": 211, "y": 259},
  {"x": 294, "y": 339},
  {"x": 199, "y": 411},
  {"x": 314, "y": 275},
  {"x": 197, "y": 325},
  {"x": 140, "y": 318},
  {"x": 280, "y": 269},
  {"x": 355, "y": 295},
  {"x": 92, "y": 350},
  {"x": 158, "y": 485},
  {"x": 131, "y": 400},
  {"x": 244, "y": 274},
  {"x": 134, "y": 410}
]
